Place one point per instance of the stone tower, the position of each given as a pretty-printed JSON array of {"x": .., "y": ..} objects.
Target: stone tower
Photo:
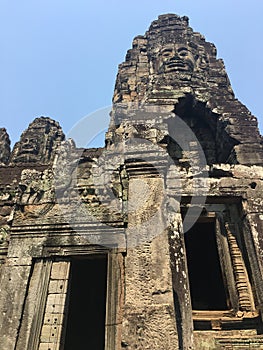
[{"x": 154, "y": 241}]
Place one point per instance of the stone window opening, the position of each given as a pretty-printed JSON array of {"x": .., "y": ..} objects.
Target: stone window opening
[{"x": 220, "y": 283}]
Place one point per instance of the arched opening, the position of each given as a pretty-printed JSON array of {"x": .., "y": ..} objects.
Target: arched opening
[{"x": 209, "y": 130}]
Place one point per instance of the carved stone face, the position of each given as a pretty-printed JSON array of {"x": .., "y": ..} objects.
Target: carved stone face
[
  {"x": 30, "y": 144},
  {"x": 202, "y": 61},
  {"x": 38, "y": 142},
  {"x": 175, "y": 57}
]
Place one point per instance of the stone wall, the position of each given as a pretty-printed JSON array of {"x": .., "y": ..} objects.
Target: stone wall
[{"x": 180, "y": 149}]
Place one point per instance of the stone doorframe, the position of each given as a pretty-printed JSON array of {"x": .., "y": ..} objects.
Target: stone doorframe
[
  {"x": 48, "y": 288},
  {"x": 35, "y": 282}
]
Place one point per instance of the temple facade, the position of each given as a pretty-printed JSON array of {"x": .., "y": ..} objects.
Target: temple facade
[{"x": 154, "y": 241}]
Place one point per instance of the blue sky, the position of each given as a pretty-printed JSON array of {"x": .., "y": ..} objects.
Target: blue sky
[{"x": 59, "y": 58}]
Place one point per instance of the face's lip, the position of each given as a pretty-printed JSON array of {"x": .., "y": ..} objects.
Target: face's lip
[
  {"x": 27, "y": 150},
  {"x": 176, "y": 65}
]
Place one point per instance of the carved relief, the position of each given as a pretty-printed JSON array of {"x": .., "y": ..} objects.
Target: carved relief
[
  {"x": 175, "y": 57},
  {"x": 38, "y": 143},
  {"x": 4, "y": 146},
  {"x": 29, "y": 145},
  {"x": 92, "y": 198},
  {"x": 65, "y": 162},
  {"x": 202, "y": 60},
  {"x": 241, "y": 277},
  {"x": 4, "y": 235},
  {"x": 36, "y": 192},
  {"x": 4, "y": 241}
]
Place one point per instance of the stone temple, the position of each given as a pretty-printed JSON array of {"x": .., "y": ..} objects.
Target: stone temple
[{"x": 154, "y": 241}]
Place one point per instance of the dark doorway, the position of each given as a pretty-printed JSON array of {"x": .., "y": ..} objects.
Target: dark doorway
[
  {"x": 87, "y": 305},
  {"x": 205, "y": 276}
]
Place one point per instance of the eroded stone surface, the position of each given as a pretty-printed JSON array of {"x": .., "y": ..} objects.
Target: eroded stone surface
[
  {"x": 173, "y": 67},
  {"x": 4, "y": 146},
  {"x": 38, "y": 143},
  {"x": 179, "y": 145}
]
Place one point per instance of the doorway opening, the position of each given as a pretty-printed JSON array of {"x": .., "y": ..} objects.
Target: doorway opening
[
  {"x": 87, "y": 304},
  {"x": 207, "y": 287}
]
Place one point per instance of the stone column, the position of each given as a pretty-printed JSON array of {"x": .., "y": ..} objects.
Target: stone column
[
  {"x": 149, "y": 319},
  {"x": 13, "y": 286}
]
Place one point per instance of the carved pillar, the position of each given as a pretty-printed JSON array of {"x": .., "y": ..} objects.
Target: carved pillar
[
  {"x": 34, "y": 306},
  {"x": 149, "y": 318},
  {"x": 13, "y": 286},
  {"x": 243, "y": 288},
  {"x": 253, "y": 227},
  {"x": 114, "y": 302},
  {"x": 182, "y": 300}
]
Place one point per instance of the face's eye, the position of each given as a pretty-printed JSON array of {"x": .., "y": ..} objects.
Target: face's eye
[
  {"x": 183, "y": 53},
  {"x": 167, "y": 53}
]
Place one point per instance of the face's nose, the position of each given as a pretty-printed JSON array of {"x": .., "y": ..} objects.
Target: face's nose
[
  {"x": 176, "y": 55},
  {"x": 28, "y": 142}
]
